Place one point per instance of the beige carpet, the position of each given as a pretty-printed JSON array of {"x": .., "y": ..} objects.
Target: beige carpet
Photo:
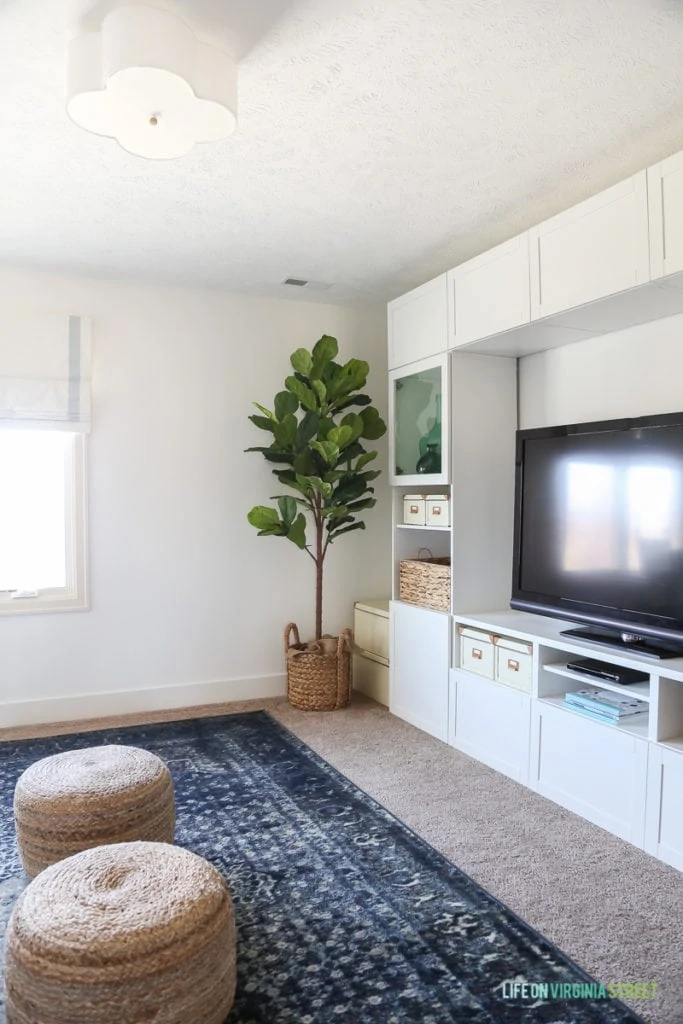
[{"x": 616, "y": 911}]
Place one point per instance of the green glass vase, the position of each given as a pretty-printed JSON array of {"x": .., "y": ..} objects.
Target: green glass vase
[{"x": 430, "y": 462}]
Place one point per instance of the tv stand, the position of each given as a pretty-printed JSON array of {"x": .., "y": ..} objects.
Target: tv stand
[{"x": 643, "y": 645}]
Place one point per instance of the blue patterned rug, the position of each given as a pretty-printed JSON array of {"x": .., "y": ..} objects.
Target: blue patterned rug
[{"x": 343, "y": 914}]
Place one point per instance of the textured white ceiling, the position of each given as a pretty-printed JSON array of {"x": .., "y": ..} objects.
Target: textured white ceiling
[{"x": 379, "y": 142}]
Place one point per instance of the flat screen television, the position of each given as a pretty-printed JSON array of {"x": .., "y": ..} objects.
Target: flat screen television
[{"x": 599, "y": 530}]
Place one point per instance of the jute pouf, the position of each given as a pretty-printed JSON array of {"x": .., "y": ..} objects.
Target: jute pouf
[
  {"x": 84, "y": 798},
  {"x": 128, "y": 934}
]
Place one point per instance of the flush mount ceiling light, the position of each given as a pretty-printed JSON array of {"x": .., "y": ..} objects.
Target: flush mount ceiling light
[{"x": 145, "y": 80}]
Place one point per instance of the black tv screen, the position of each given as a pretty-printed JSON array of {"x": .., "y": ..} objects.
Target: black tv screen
[{"x": 599, "y": 524}]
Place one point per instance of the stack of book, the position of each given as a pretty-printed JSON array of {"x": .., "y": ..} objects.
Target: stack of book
[{"x": 605, "y": 705}]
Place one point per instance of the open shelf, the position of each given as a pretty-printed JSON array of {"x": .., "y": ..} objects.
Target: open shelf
[
  {"x": 639, "y": 690},
  {"x": 415, "y": 526},
  {"x": 639, "y": 728}
]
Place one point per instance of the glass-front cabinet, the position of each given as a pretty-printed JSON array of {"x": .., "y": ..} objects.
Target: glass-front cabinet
[{"x": 419, "y": 418}]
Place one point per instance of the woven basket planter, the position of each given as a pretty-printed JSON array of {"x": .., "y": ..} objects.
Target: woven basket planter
[
  {"x": 318, "y": 673},
  {"x": 426, "y": 581}
]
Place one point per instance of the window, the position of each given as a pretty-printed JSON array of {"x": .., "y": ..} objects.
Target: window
[{"x": 42, "y": 521}]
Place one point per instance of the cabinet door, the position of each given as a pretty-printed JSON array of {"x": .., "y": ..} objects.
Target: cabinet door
[
  {"x": 492, "y": 724},
  {"x": 598, "y": 771},
  {"x": 664, "y": 827},
  {"x": 665, "y": 196},
  {"x": 490, "y": 293},
  {"x": 592, "y": 250},
  {"x": 418, "y": 323},
  {"x": 419, "y": 667},
  {"x": 419, "y": 424}
]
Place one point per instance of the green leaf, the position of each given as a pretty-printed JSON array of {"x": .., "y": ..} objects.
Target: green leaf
[
  {"x": 320, "y": 390},
  {"x": 353, "y": 420},
  {"x": 348, "y": 378},
  {"x": 324, "y": 427},
  {"x": 273, "y": 531},
  {"x": 285, "y": 402},
  {"x": 285, "y": 431},
  {"x": 341, "y": 436},
  {"x": 328, "y": 451},
  {"x": 266, "y": 412},
  {"x": 307, "y": 397},
  {"x": 316, "y": 484},
  {"x": 364, "y": 459},
  {"x": 352, "y": 400},
  {"x": 297, "y": 531},
  {"x": 373, "y": 424},
  {"x": 345, "y": 529},
  {"x": 307, "y": 429},
  {"x": 358, "y": 506},
  {"x": 288, "y": 508},
  {"x": 353, "y": 451},
  {"x": 301, "y": 361},
  {"x": 325, "y": 350},
  {"x": 263, "y": 518},
  {"x": 350, "y": 490},
  {"x": 335, "y": 512},
  {"x": 263, "y": 422}
]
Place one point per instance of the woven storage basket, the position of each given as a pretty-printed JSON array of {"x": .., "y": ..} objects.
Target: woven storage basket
[
  {"x": 318, "y": 674},
  {"x": 426, "y": 581}
]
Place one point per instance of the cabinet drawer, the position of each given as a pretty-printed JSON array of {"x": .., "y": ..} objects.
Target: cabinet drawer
[
  {"x": 477, "y": 652},
  {"x": 371, "y": 678},
  {"x": 371, "y": 633},
  {"x": 513, "y": 664}
]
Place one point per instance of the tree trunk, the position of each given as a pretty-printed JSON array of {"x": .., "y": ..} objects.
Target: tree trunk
[{"x": 319, "y": 558}]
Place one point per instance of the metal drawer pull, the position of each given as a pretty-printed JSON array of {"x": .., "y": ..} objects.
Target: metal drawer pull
[
  {"x": 436, "y": 511},
  {"x": 414, "y": 509},
  {"x": 476, "y": 653},
  {"x": 514, "y": 665}
]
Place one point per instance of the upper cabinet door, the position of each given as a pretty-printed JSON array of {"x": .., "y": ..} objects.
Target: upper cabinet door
[
  {"x": 490, "y": 293},
  {"x": 595, "y": 249},
  {"x": 665, "y": 195},
  {"x": 418, "y": 323}
]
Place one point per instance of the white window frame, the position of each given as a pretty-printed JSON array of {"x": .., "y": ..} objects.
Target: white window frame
[{"x": 74, "y": 596}]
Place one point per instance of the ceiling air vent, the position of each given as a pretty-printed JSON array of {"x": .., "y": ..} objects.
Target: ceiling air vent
[{"x": 296, "y": 281}]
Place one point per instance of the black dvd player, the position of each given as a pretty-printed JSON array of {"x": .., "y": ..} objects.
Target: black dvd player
[{"x": 610, "y": 673}]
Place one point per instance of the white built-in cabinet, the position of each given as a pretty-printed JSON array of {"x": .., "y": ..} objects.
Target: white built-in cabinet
[
  {"x": 420, "y": 659},
  {"x": 595, "y": 249},
  {"x": 665, "y": 198},
  {"x": 418, "y": 323},
  {"x": 503, "y": 273},
  {"x": 610, "y": 262}
]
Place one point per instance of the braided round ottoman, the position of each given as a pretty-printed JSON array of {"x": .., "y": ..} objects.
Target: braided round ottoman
[
  {"x": 132, "y": 933},
  {"x": 84, "y": 798}
]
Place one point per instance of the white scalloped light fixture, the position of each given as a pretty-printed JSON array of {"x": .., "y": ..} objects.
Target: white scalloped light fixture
[{"x": 145, "y": 80}]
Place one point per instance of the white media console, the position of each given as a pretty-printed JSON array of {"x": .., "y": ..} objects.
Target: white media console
[{"x": 628, "y": 778}]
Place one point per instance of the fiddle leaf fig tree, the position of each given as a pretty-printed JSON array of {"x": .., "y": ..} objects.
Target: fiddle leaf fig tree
[{"x": 318, "y": 429}]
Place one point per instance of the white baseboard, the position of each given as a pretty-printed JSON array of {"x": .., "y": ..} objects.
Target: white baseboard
[{"x": 42, "y": 711}]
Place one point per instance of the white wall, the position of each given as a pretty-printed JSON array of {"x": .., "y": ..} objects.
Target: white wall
[
  {"x": 636, "y": 372},
  {"x": 188, "y": 604}
]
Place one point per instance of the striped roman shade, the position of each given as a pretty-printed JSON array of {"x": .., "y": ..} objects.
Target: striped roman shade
[{"x": 45, "y": 371}]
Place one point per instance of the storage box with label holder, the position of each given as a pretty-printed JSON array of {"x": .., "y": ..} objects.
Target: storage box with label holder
[
  {"x": 438, "y": 510},
  {"x": 513, "y": 663},
  {"x": 414, "y": 509},
  {"x": 477, "y": 651}
]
